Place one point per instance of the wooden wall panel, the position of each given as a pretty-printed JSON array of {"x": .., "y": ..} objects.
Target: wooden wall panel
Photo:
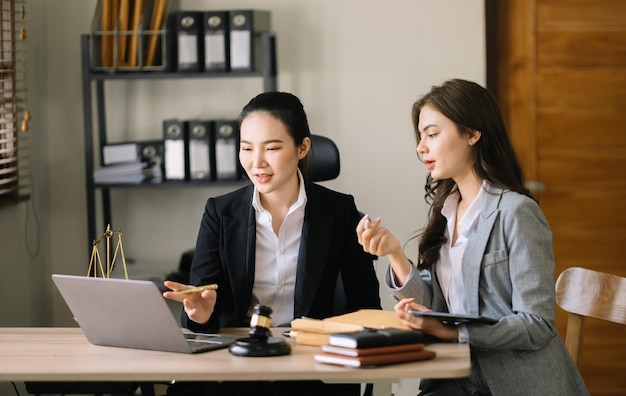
[
  {"x": 583, "y": 167},
  {"x": 581, "y": 87},
  {"x": 583, "y": 127},
  {"x": 607, "y": 253},
  {"x": 606, "y": 365},
  {"x": 581, "y": 12},
  {"x": 592, "y": 208},
  {"x": 581, "y": 48},
  {"x": 515, "y": 76},
  {"x": 561, "y": 75}
]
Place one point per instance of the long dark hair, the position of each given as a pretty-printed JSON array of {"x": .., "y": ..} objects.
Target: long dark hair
[
  {"x": 287, "y": 108},
  {"x": 472, "y": 108}
]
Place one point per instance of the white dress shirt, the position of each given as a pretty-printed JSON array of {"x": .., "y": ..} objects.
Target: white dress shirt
[
  {"x": 276, "y": 258},
  {"x": 449, "y": 268}
]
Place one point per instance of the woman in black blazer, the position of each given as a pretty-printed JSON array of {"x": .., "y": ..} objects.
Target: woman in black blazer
[{"x": 282, "y": 241}]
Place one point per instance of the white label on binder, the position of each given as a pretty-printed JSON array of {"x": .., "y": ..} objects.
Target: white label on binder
[
  {"x": 199, "y": 159},
  {"x": 240, "y": 49},
  {"x": 175, "y": 159},
  {"x": 187, "y": 49},
  {"x": 214, "y": 49},
  {"x": 225, "y": 158}
]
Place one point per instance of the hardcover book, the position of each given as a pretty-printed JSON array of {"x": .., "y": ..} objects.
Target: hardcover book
[
  {"x": 353, "y": 352},
  {"x": 370, "y": 338},
  {"x": 374, "y": 360}
]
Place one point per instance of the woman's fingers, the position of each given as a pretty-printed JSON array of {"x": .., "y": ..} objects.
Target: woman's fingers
[
  {"x": 174, "y": 286},
  {"x": 369, "y": 235}
]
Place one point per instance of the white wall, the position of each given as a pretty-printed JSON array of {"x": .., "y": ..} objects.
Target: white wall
[{"x": 358, "y": 66}]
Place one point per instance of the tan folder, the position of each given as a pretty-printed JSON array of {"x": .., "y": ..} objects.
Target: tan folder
[
  {"x": 135, "y": 25},
  {"x": 109, "y": 10},
  {"x": 158, "y": 14},
  {"x": 123, "y": 27}
]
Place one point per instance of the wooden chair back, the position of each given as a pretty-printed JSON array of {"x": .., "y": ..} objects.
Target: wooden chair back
[{"x": 586, "y": 293}]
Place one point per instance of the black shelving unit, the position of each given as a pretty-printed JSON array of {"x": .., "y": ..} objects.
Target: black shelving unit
[{"x": 95, "y": 80}]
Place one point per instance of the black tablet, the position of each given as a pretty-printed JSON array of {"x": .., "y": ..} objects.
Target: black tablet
[{"x": 453, "y": 319}]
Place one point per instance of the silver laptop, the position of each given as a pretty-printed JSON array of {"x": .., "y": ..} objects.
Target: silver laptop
[{"x": 130, "y": 314}]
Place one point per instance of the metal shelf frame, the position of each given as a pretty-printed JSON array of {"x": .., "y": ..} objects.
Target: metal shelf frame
[{"x": 95, "y": 107}]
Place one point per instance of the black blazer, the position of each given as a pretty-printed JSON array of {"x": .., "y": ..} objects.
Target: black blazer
[{"x": 225, "y": 254}]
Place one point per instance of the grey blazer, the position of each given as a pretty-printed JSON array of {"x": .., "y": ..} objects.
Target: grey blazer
[{"x": 508, "y": 271}]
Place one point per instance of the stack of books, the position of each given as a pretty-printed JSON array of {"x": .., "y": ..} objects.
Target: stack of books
[{"x": 374, "y": 347}]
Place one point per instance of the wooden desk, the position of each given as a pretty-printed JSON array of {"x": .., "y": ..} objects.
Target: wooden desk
[{"x": 64, "y": 354}]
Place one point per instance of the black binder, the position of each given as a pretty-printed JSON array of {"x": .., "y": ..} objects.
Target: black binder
[
  {"x": 201, "y": 150},
  {"x": 151, "y": 152},
  {"x": 188, "y": 41},
  {"x": 175, "y": 141},
  {"x": 216, "y": 41},
  {"x": 245, "y": 38},
  {"x": 227, "y": 150}
]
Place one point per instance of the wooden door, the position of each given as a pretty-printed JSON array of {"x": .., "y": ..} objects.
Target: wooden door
[{"x": 558, "y": 69}]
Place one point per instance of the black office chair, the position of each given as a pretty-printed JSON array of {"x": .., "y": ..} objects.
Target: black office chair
[
  {"x": 325, "y": 164},
  {"x": 324, "y": 161}
]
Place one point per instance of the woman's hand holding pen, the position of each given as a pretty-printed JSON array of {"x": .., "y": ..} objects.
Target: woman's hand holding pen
[
  {"x": 430, "y": 326},
  {"x": 379, "y": 241},
  {"x": 198, "y": 302},
  {"x": 375, "y": 238}
]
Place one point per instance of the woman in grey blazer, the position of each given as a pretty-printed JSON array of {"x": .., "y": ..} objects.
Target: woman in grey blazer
[{"x": 486, "y": 250}]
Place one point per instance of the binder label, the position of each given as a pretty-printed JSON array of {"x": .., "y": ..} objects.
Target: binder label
[
  {"x": 175, "y": 159},
  {"x": 226, "y": 159},
  {"x": 187, "y": 49},
  {"x": 240, "y": 44},
  {"x": 215, "y": 50}
]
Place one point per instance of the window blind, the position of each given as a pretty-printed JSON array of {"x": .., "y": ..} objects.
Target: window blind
[{"x": 15, "y": 171}]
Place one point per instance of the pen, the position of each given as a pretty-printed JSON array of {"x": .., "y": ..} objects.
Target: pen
[{"x": 197, "y": 289}]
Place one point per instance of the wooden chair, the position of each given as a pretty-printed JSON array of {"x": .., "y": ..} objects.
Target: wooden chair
[{"x": 586, "y": 293}]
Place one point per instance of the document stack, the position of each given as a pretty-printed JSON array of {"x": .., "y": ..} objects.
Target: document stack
[
  {"x": 131, "y": 162},
  {"x": 130, "y": 172},
  {"x": 317, "y": 332},
  {"x": 373, "y": 347},
  {"x": 307, "y": 331}
]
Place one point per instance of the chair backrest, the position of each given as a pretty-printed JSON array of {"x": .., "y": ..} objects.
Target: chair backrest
[
  {"x": 324, "y": 161},
  {"x": 586, "y": 293}
]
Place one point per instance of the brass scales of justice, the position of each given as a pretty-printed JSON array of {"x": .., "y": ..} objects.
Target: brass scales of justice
[{"x": 95, "y": 261}]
